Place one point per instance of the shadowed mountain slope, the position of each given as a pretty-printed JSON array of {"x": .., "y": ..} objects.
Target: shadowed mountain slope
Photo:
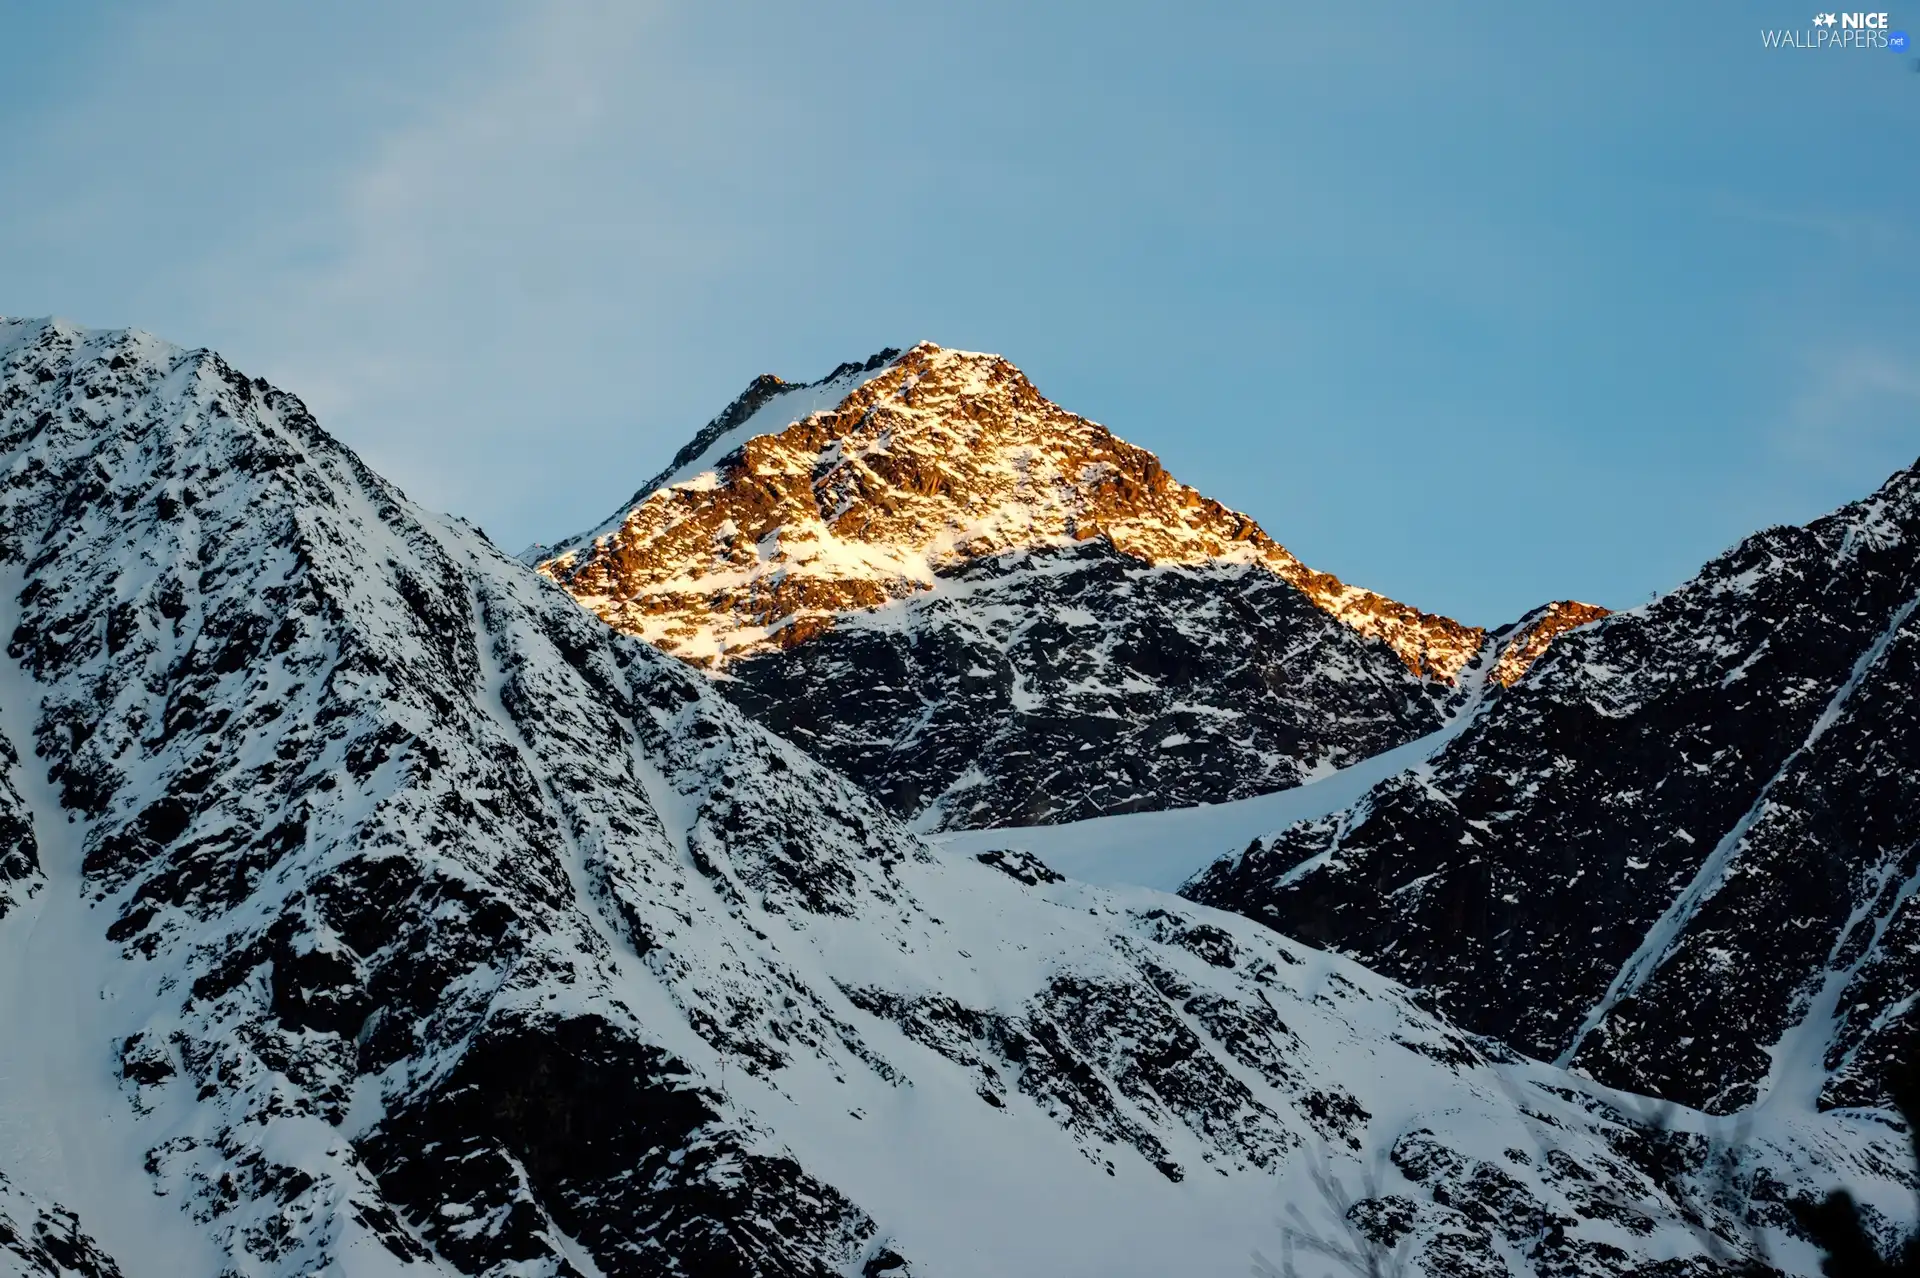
[
  {"x": 1683, "y": 852},
  {"x": 990, "y": 611}
]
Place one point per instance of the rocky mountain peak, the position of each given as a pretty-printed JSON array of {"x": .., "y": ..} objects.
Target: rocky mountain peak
[
  {"x": 774, "y": 522},
  {"x": 988, "y": 610},
  {"x": 1536, "y": 631}
]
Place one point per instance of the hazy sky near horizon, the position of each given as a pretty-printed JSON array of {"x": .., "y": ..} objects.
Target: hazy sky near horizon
[{"x": 1475, "y": 305}]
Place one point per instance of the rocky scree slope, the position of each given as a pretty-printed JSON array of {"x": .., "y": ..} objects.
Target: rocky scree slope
[
  {"x": 990, "y": 611},
  {"x": 374, "y": 910},
  {"x": 1683, "y": 852}
]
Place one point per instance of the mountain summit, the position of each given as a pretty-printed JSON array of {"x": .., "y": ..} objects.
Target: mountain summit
[
  {"x": 801, "y": 503},
  {"x": 989, "y": 610}
]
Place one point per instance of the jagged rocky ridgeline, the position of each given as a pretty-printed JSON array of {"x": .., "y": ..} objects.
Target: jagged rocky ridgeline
[
  {"x": 989, "y": 611},
  {"x": 1683, "y": 853},
  {"x": 374, "y": 910}
]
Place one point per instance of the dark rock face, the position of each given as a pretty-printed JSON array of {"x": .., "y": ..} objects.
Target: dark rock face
[
  {"x": 1020, "y": 865},
  {"x": 38, "y": 1240},
  {"x": 572, "y": 1124},
  {"x": 1055, "y": 685},
  {"x": 1688, "y": 837},
  {"x": 19, "y": 854}
]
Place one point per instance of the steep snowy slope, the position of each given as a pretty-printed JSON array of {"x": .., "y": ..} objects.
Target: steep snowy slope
[
  {"x": 1164, "y": 849},
  {"x": 1682, "y": 853},
  {"x": 992, "y": 612},
  {"x": 377, "y": 911}
]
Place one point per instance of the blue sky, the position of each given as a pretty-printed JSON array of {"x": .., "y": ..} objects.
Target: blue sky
[{"x": 1477, "y": 305}]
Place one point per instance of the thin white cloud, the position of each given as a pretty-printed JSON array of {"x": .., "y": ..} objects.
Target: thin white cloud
[
  {"x": 1862, "y": 399},
  {"x": 1862, "y": 231},
  {"x": 534, "y": 196},
  {"x": 490, "y": 150}
]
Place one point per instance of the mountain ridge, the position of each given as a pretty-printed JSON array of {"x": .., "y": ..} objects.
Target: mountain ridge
[
  {"x": 1685, "y": 837},
  {"x": 389, "y": 915},
  {"x": 713, "y": 442}
]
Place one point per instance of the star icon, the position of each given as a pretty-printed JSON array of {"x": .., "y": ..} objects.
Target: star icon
[{"x": 1824, "y": 20}]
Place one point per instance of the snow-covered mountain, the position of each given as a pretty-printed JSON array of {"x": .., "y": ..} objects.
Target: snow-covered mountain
[
  {"x": 990, "y": 611},
  {"x": 372, "y": 909},
  {"x": 1682, "y": 853}
]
